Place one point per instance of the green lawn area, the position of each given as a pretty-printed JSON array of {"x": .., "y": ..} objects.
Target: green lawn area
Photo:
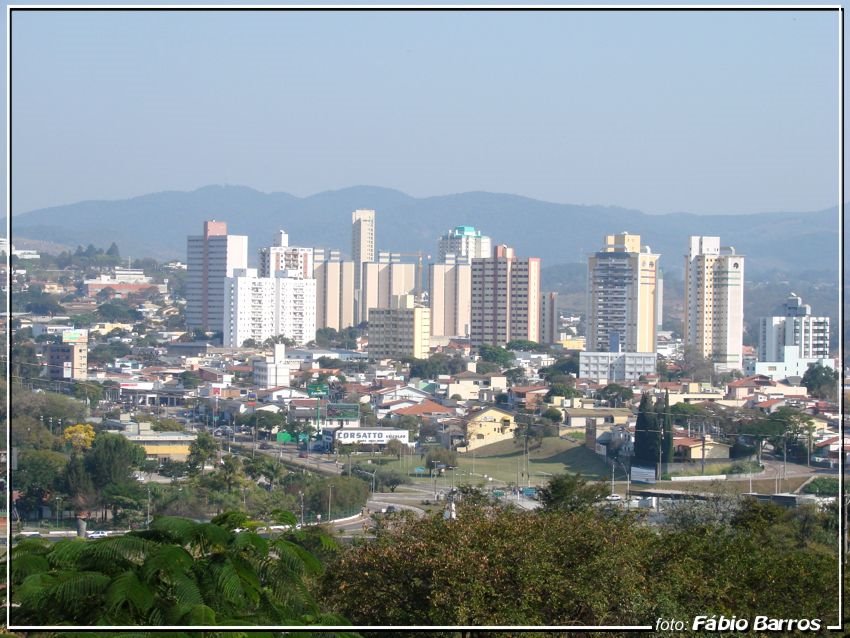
[{"x": 504, "y": 460}]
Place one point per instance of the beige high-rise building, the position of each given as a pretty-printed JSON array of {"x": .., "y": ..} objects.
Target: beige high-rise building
[
  {"x": 402, "y": 330},
  {"x": 69, "y": 359},
  {"x": 451, "y": 298},
  {"x": 464, "y": 243},
  {"x": 382, "y": 280},
  {"x": 714, "y": 302},
  {"x": 505, "y": 298},
  {"x": 334, "y": 290},
  {"x": 362, "y": 241},
  {"x": 621, "y": 308}
]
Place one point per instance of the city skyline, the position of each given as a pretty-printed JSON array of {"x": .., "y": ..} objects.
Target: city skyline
[{"x": 634, "y": 109}]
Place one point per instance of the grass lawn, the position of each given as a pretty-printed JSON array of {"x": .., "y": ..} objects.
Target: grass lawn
[
  {"x": 762, "y": 486},
  {"x": 505, "y": 460}
]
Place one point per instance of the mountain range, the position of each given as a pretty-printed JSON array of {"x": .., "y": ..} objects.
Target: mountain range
[{"x": 156, "y": 225}]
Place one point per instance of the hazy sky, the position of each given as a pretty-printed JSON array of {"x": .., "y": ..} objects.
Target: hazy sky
[{"x": 661, "y": 111}]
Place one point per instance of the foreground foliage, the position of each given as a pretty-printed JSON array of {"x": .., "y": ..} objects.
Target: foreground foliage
[
  {"x": 178, "y": 573},
  {"x": 584, "y": 567}
]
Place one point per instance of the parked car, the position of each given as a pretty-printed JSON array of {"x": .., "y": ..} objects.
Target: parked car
[{"x": 97, "y": 534}]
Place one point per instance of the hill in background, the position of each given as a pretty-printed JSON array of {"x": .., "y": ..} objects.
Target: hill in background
[{"x": 157, "y": 225}]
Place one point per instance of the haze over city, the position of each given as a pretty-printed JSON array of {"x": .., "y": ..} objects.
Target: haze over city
[{"x": 703, "y": 112}]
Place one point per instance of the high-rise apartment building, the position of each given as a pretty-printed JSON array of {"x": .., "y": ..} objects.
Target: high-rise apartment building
[
  {"x": 714, "y": 302},
  {"x": 286, "y": 257},
  {"x": 211, "y": 258},
  {"x": 362, "y": 241},
  {"x": 621, "y": 305},
  {"x": 334, "y": 290},
  {"x": 450, "y": 285},
  {"x": 402, "y": 330},
  {"x": 796, "y": 328},
  {"x": 505, "y": 298},
  {"x": 382, "y": 280},
  {"x": 465, "y": 244},
  {"x": 262, "y": 307},
  {"x": 549, "y": 318}
]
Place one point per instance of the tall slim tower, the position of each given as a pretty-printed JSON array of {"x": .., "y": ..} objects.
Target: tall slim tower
[
  {"x": 621, "y": 308},
  {"x": 334, "y": 290},
  {"x": 714, "y": 301},
  {"x": 211, "y": 258},
  {"x": 505, "y": 298},
  {"x": 362, "y": 241}
]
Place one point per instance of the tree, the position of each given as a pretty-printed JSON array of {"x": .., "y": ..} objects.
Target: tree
[
  {"x": 177, "y": 573},
  {"x": 495, "y": 354},
  {"x": 112, "y": 251},
  {"x": 615, "y": 394},
  {"x": 695, "y": 366},
  {"x": 570, "y": 493},
  {"x": 201, "y": 451},
  {"x": 821, "y": 382},
  {"x": 664, "y": 421},
  {"x": 440, "y": 455},
  {"x": 487, "y": 367},
  {"x": 79, "y": 437},
  {"x": 394, "y": 446},
  {"x": 553, "y": 414},
  {"x": 647, "y": 434},
  {"x": 524, "y": 345},
  {"x": 389, "y": 479},
  {"x": 561, "y": 390},
  {"x": 112, "y": 459},
  {"x": 190, "y": 379}
]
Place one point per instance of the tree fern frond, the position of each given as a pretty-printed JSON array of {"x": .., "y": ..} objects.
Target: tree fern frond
[
  {"x": 66, "y": 553},
  {"x": 127, "y": 588},
  {"x": 167, "y": 559},
  {"x": 78, "y": 585},
  {"x": 25, "y": 565},
  {"x": 185, "y": 590},
  {"x": 119, "y": 552},
  {"x": 312, "y": 564}
]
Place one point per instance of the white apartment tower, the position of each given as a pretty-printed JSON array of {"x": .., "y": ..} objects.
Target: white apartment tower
[
  {"x": 334, "y": 290},
  {"x": 262, "y": 307},
  {"x": 714, "y": 302},
  {"x": 807, "y": 336},
  {"x": 211, "y": 258},
  {"x": 286, "y": 257},
  {"x": 505, "y": 298},
  {"x": 465, "y": 244},
  {"x": 621, "y": 306},
  {"x": 450, "y": 285}
]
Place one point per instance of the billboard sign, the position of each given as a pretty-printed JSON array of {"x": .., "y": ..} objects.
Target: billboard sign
[
  {"x": 380, "y": 436},
  {"x": 75, "y": 336},
  {"x": 344, "y": 411},
  {"x": 317, "y": 389}
]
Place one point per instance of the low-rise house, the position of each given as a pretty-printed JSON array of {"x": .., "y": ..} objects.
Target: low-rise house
[
  {"x": 526, "y": 397},
  {"x": 159, "y": 446},
  {"x": 695, "y": 449},
  {"x": 469, "y": 385},
  {"x": 579, "y": 417},
  {"x": 486, "y": 426}
]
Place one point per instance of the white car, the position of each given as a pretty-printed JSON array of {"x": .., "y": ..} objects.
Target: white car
[
  {"x": 613, "y": 497},
  {"x": 98, "y": 534}
]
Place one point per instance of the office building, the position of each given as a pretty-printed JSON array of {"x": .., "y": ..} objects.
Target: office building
[
  {"x": 505, "y": 298},
  {"x": 622, "y": 299},
  {"x": 450, "y": 299},
  {"x": 273, "y": 371},
  {"x": 258, "y": 308},
  {"x": 69, "y": 359},
  {"x": 714, "y": 302},
  {"x": 402, "y": 330},
  {"x": 286, "y": 257},
  {"x": 334, "y": 290},
  {"x": 464, "y": 243},
  {"x": 212, "y": 257}
]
